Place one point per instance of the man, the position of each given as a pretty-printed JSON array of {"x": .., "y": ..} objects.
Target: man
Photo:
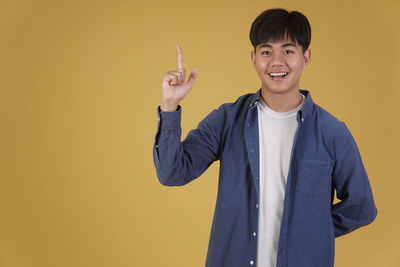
[{"x": 281, "y": 158}]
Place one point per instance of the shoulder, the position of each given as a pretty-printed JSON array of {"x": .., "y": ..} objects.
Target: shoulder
[
  {"x": 240, "y": 103},
  {"x": 333, "y": 128},
  {"x": 230, "y": 113},
  {"x": 228, "y": 110},
  {"x": 327, "y": 119}
]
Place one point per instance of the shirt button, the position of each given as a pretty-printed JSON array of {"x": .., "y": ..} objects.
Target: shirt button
[
  {"x": 302, "y": 119},
  {"x": 156, "y": 146},
  {"x": 252, "y": 151},
  {"x": 251, "y": 262},
  {"x": 256, "y": 206},
  {"x": 254, "y": 234},
  {"x": 248, "y": 124}
]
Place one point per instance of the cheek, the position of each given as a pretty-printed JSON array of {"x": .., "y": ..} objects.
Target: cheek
[
  {"x": 261, "y": 66},
  {"x": 297, "y": 65}
]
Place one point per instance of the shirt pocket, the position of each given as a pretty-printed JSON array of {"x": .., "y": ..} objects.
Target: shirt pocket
[{"x": 313, "y": 176}]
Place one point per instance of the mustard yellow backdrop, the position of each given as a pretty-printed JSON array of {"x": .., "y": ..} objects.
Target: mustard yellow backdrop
[{"x": 80, "y": 82}]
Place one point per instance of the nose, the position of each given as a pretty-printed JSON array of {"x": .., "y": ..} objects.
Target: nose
[{"x": 277, "y": 60}]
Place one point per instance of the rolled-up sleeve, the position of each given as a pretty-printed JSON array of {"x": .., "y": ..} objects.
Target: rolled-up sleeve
[
  {"x": 357, "y": 207},
  {"x": 177, "y": 163}
]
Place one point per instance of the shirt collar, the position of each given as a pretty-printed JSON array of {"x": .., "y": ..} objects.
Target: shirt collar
[{"x": 304, "y": 110}]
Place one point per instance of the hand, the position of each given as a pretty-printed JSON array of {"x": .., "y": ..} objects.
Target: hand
[{"x": 174, "y": 87}]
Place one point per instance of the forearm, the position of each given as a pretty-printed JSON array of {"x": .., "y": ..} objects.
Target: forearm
[
  {"x": 167, "y": 151},
  {"x": 178, "y": 163},
  {"x": 353, "y": 213}
]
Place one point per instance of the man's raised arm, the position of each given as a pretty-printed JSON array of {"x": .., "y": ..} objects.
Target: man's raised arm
[{"x": 176, "y": 162}]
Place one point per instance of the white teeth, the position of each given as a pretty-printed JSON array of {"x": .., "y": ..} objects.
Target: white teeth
[{"x": 278, "y": 74}]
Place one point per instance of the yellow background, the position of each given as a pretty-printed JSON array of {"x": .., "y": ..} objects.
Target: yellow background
[{"x": 80, "y": 82}]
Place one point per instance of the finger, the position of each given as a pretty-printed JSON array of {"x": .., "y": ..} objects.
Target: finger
[
  {"x": 167, "y": 80},
  {"x": 193, "y": 76},
  {"x": 171, "y": 79},
  {"x": 177, "y": 75},
  {"x": 181, "y": 75},
  {"x": 180, "y": 57}
]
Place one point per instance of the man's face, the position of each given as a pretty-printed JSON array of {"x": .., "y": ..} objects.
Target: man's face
[{"x": 285, "y": 56}]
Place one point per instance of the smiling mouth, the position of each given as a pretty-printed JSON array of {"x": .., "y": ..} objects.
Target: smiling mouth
[{"x": 278, "y": 76}]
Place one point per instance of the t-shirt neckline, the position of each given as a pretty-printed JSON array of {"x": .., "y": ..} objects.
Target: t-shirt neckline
[{"x": 280, "y": 115}]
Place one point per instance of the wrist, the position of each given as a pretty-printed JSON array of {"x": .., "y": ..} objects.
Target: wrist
[{"x": 168, "y": 106}]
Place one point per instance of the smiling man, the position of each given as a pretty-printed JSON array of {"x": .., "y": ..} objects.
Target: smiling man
[{"x": 281, "y": 158}]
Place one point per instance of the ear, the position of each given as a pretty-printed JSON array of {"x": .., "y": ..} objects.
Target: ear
[
  {"x": 253, "y": 58},
  {"x": 307, "y": 57}
]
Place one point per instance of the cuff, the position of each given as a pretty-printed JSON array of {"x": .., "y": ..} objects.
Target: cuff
[{"x": 169, "y": 120}]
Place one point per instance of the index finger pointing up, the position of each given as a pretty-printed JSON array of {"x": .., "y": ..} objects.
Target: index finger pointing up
[{"x": 180, "y": 57}]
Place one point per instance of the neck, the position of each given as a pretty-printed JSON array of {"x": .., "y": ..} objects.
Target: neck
[{"x": 282, "y": 102}]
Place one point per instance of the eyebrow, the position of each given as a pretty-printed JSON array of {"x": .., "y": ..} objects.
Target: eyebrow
[{"x": 270, "y": 46}]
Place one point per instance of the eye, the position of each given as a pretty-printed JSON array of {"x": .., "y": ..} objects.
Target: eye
[
  {"x": 288, "y": 52},
  {"x": 264, "y": 53}
]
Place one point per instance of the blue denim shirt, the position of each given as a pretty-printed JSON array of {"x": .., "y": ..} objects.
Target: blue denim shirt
[{"x": 324, "y": 157}]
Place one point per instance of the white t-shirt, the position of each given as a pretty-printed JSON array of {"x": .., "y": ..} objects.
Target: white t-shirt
[{"x": 276, "y": 135}]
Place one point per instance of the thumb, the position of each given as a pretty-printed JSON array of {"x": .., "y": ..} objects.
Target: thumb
[{"x": 193, "y": 75}]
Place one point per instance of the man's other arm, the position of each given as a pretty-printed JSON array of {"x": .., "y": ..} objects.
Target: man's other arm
[{"x": 357, "y": 207}]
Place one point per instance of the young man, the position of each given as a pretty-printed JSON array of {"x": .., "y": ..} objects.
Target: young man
[{"x": 281, "y": 158}]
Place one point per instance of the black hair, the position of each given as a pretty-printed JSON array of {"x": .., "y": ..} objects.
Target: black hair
[{"x": 277, "y": 24}]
